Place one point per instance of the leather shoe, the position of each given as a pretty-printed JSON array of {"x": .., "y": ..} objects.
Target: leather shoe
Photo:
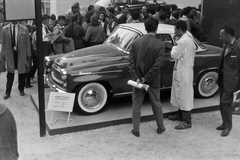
[
  {"x": 22, "y": 93},
  {"x": 183, "y": 126},
  {"x": 6, "y": 96},
  {"x": 28, "y": 86},
  {"x": 161, "y": 130},
  {"x": 174, "y": 118},
  {"x": 225, "y": 132},
  {"x": 237, "y": 112},
  {"x": 220, "y": 128},
  {"x": 137, "y": 134}
]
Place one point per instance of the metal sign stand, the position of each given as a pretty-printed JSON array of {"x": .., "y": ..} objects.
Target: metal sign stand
[{"x": 69, "y": 121}]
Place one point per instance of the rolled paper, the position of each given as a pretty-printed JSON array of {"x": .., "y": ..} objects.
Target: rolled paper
[{"x": 138, "y": 85}]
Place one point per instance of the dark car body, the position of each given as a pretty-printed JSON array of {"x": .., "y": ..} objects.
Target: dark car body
[{"x": 105, "y": 67}]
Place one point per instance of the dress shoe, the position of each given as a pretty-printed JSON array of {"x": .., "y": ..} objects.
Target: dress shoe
[
  {"x": 6, "y": 96},
  {"x": 22, "y": 93},
  {"x": 174, "y": 118},
  {"x": 28, "y": 86},
  {"x": 137, "y": 134},
  {"x": 225, "y": 132},
  {"x": 161, "y": 130},
  {"x": 237, "y": 112},
  {"x": 220, "y": 128},
  {"x": 183, "y": 126}
]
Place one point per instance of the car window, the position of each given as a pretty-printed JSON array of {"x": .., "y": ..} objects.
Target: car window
[
  {"x": 138, "y": 2},
  {"x": 122, "y": 38},
  {"x": 167, "y": 39}
]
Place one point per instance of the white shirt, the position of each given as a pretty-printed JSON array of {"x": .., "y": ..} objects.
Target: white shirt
[{"x": 44, "y": 33}]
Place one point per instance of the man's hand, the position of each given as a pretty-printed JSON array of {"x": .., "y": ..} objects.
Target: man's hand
[
  {"x": 143, "y": 80},
  {"x": 138, "y": 81}
]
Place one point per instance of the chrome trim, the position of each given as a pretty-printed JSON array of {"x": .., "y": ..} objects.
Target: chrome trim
[
  {"x": 91, "y": 73},
  {"x": 52, "y": 86},
  {"x": 120, "y": 94},
  {"x": 55, "y": 78}
]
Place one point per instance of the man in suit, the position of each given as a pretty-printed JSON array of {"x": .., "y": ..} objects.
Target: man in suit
[
  {"x": 229, "y": 74},
  {"x": 16, "y": 50},
  {"x": 144, "y": 63}
]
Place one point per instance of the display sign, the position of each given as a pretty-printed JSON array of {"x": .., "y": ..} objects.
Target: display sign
[
  {"x": 19, "y": 9},
  {"x": 61, "y": 101}
]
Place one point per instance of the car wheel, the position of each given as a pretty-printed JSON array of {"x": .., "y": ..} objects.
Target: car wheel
[
  {"x": 90, "y": 98},
  {"x": 207, "y": 85}
]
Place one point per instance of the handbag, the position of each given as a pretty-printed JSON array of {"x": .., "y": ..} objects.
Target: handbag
[
  {"x": 28, "y": 65},
  {"x": 68, "y": 47}
]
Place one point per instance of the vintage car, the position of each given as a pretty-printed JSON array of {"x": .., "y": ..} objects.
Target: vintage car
[
  {"x": 101, "y": 72},
  {"x": 132, "y": 4}
]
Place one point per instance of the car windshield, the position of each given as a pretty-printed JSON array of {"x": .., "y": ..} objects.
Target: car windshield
[
  {"x": 103, "y": 2},
  {"x": 122, "y": 38}
]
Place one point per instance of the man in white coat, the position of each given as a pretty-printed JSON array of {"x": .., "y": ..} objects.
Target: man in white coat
[{"x": 182, "y": 83}]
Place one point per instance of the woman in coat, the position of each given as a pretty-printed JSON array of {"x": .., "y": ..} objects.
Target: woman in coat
[
  {"x": 76, "y": 32},
  {"x": 95, "y": 34}
]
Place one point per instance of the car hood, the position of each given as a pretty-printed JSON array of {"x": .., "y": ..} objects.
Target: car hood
[{"x": 91, "y": 56}]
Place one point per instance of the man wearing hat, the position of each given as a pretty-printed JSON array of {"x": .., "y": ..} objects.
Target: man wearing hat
[{"x": 71, "y": 12}]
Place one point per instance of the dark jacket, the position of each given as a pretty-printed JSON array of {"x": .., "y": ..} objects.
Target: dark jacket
[
  {"x": 77, "y": 33},
  {"x": 229, "y": 70},
  {"x": 8, "y": 135},
  {"x": 145, "y": 59}
]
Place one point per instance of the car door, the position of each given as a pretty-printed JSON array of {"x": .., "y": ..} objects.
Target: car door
[{"x": 168, "y": 62}]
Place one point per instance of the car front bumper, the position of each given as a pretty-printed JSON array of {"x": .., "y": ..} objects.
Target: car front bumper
[{"x": 53, "y": 87}]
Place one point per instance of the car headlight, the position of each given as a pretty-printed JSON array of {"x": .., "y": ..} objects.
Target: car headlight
[
  {"x": 63, "y": 74},
  {"x": 48, "y": 60}
]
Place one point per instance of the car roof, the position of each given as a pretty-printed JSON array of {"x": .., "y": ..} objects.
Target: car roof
[{"x": 162, "y": 28}]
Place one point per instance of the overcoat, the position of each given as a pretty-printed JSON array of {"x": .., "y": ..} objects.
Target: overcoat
[
  {"x": 182, "y": 83},
  {"x": 23, "y": 47},
  {"x": 8, "y": 135},
  {"x": 229, "y": 71}
]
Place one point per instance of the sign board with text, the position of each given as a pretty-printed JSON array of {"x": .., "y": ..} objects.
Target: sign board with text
[
  {"x": 19, "y": 9},
  {"x": 61, "y": 102}
]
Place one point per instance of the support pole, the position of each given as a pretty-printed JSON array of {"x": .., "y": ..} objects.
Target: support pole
[{"x": 40, "y": 57}]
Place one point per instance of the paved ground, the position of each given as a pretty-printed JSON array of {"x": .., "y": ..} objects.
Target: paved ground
[{"x": 116, "y": 142}]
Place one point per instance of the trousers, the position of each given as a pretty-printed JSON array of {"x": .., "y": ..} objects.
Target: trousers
[
  {"x": 226, "y": 99},
  {"x": 137, "y": 99},
  {"x": 10, "y": 79},
  {"x": 186, "y": 116}
]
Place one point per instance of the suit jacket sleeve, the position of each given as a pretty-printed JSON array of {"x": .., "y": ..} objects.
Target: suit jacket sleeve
[
  {"x": 156, "y": 66},
  {"x": 132, "y": 63}
]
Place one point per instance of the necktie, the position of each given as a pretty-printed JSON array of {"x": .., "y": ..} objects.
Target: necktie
[
  {"x": 13, "y": 37},
  {"x": 46, "y": 30}
]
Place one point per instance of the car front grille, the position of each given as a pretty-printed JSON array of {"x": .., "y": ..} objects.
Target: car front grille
[{"x": 55, "y": 76}]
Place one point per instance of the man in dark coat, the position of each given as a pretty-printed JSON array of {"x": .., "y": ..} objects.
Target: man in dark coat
[
  {"x": 229, "y": 74},
  {"x": 144, "y": 63},
  {"x": 8, "y": 135}
]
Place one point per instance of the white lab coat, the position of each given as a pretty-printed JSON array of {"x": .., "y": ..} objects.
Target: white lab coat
[{"x": 182, "y": 84}]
